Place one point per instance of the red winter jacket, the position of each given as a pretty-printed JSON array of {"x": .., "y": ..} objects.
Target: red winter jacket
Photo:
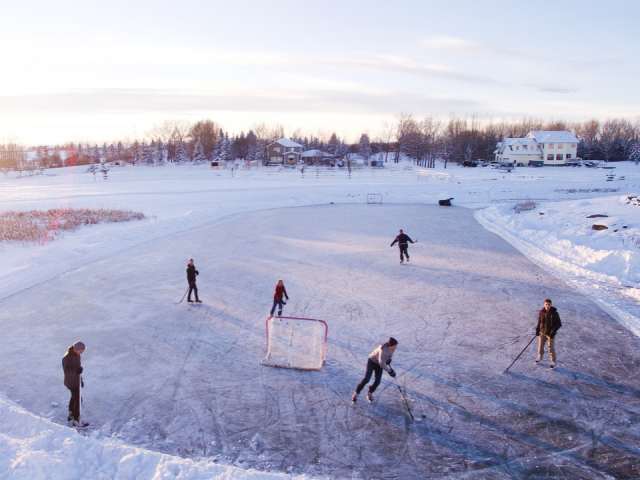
[{"x": 280, "y": 290}]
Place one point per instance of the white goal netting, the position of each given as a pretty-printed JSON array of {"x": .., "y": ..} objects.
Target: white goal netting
[{"x": 295, "y": 343}]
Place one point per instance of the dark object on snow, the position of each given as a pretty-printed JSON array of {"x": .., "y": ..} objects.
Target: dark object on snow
[
  {"x": 599, "y": 227},
  {"x": 597, "y": 215},
  {"x": 445, "y": 203}
]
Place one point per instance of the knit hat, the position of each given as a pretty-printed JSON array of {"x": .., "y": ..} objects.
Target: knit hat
[
  {"x": 392, "y": 342},
  {"x": 79, "y": 346}
]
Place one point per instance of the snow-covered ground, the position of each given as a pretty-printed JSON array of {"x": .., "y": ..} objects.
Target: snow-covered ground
[{"x": 186, "y": 381}]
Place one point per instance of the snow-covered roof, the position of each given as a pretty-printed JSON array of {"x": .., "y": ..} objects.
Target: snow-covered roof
[
  {"x": 553, "y": 137},
  {"x": 316, "y": 153},
  {"x": 285, "y": 142},
  {"x": 523, "y": 141}
]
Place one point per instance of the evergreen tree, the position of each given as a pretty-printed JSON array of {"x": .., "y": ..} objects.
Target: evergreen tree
[
  {"x": 160, "y": 153},
  {"x": 181, "y": 154},
  {"x": 364, "y": 148},
  {"x": 198, "y": 154}
]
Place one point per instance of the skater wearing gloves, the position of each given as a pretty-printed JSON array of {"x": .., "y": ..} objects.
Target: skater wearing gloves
[
  {"x": 379, "y": 360},
  {"x": 191, "y": 278},
  {"x": 277, "y": 298},
  {"x": 548, "y": 325},
  {"x": 402, "y": 240},
  {"x": 72, "y": 368}
]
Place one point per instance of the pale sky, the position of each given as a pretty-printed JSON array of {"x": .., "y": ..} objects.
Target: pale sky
[{"x": 99, "y": 71}]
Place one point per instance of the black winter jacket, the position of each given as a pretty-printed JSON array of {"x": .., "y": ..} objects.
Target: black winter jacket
[
  {"x": 191, "y": 273},
  {"x": 402, "y": 240},
  {"x": 548, "y": 322},
  {"x": 72, "y": 368}
]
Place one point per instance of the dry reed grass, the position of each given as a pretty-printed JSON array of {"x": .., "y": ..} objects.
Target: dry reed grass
[
  {"x": 524, "y": 205},
  {"x": 36, "y": 226},
  {"x": 587, "y": 190}
]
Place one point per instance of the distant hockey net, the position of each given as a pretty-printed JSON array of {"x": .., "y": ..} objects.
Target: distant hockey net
[
  {"x": 374, "y": 198},
  {"x": 297, "y": 343}
]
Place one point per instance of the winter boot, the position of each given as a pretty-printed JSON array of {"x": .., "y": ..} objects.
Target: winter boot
[
  {"x": 553, "y": 365},
  {"x": 354, "y": 398},
  {"x": 198, "y": 300},
  {"x": 189, "y": 300},
  {"x": 539, "y": 359},
  {"x": 370, "y": 397},
  {"x": 70, "y": 417}
]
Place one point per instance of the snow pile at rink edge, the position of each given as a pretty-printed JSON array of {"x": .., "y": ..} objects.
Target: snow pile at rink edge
[
  {"x": 602, "y": 288},
  {"x": 33, "y": 448}
]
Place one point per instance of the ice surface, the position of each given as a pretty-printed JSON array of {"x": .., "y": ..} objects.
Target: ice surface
[
  {"x": 165, "y": 379},
  {"x": 186, "y": 380}
]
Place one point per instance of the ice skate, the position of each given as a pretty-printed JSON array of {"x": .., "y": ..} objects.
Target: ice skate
[
  {"x": 553, "y": 365},
  {"x": 189, "y": 300},
  {"x": 354, "y": 398},
  {"x": 79, "y": 424},
  {"x": 539, "y": 359},
  {"x": 369, "y": 397}
]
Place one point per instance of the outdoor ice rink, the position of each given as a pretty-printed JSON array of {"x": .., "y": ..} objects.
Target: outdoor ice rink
[{"x": 187, "y": 379}]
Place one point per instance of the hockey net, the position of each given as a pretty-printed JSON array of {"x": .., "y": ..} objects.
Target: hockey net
[
  {"x": 374, "y": 198},
  {"x": 295, "y": 343}
]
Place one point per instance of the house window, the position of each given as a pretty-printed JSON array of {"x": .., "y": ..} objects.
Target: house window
[
  {"x": 550, "y": 156},
  {"x": 559, "y": 156},
  {"x": 560, "y": 145},
  {"x": 551, "y": 146},
  {"x": 532, "y": 147},
  {"x": 568, "y": 156},
  {"x": 517, "y": 148},
  {"x": 573, "y": 145},
  {"x": 276, "y": 149}
]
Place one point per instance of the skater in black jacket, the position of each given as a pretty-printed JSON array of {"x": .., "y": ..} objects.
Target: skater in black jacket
[
  {"x": 72, "y": 368},
  {"x": 402, "y": 240},
  {"x": 548, "y": 325},
  {"x": 191, "y": 278}
]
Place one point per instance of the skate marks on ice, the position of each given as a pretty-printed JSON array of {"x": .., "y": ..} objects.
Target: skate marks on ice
[{"x": 186, "y": 379}]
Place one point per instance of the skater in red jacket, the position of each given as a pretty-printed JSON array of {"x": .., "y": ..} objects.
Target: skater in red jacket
[{"x": 277, "y": 298}]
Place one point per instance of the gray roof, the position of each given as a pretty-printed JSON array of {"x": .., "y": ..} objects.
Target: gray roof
[{"x": 316, "y": 153}]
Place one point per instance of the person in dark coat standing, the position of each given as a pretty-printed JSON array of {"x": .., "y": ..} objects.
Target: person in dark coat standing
[
  {"x": 277, "y": 298},
  {"x": 72, "y": 367},
  {"x": 402, "y": 240},
  {"x": 191, "y": 278},
  {"x": 379, "y": 360},
  {"x": 548, "y": 325}
]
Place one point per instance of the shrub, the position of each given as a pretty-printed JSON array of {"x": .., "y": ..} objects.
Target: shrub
[{"x": 524, "y": 205}]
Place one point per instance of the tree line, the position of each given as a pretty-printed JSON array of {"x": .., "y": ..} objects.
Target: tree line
[{"x": 422, "y": 140}]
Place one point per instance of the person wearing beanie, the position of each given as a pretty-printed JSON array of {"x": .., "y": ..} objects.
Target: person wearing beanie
[
  {"x": 548, "y": 325},
  {"x": 72, "y": 367},
  {"x": 379, "y": 360},
  {"x": 402, "y": 240},
  {"x": 191, "y": 278}
]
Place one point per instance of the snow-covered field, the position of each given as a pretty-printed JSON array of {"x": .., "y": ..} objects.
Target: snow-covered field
[{"x": 177, "y": 391}]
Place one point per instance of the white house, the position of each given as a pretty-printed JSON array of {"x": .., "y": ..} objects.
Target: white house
[{"x": 538, "y": 147}]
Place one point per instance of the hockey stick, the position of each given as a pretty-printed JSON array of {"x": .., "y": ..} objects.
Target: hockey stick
[
  {"x": 185, "y": 294},
  {"x": 405, "y": 402},
  {"x": 534, "y": 337}
]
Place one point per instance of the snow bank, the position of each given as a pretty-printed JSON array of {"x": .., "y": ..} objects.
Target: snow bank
[
  {"x": 33, "y": 448},
  {"x": 559, "y": 236}
]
